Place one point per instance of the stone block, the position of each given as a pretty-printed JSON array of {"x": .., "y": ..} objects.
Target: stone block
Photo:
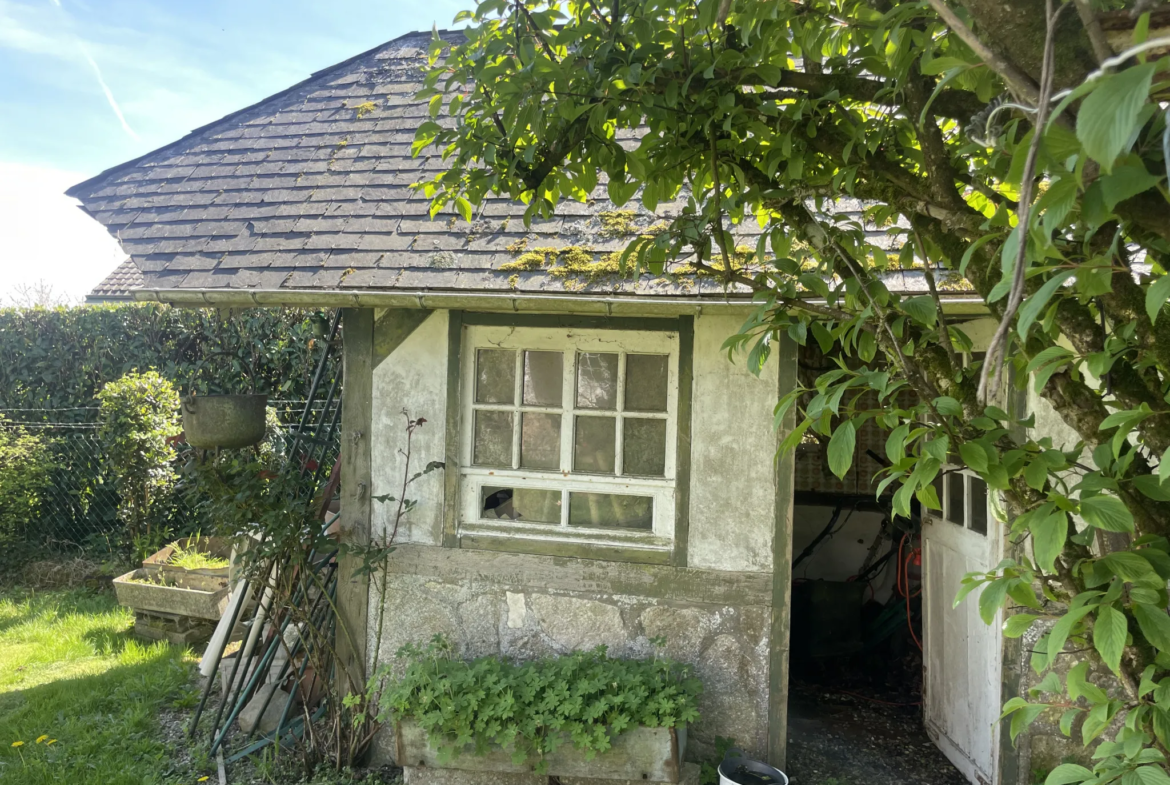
[
  {"x": 734, "y": 702},
  {"x": 688, "y": 776},
  {"x": 250, "y": 715},
  {"x": 578, "y": 623},
  {"x": 683, "y": 628},
  {"x": 425, "y": 775}
]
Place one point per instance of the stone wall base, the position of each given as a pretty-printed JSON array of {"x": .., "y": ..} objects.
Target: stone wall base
[{"x": 416, "y": 775}]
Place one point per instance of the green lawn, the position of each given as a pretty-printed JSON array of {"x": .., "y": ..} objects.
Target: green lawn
[{"x": 71, "y": 671}]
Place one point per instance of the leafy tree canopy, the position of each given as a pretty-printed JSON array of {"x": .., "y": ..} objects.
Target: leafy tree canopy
[{"x": 1020, "y": 145}]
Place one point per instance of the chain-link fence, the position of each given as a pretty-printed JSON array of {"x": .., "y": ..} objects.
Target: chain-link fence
[{"x": 77, "y": 509}]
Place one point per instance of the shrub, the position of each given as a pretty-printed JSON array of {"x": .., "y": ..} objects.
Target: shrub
[
  {"x": 139, "y": 420},
  {"x": 25, "y": 470}
]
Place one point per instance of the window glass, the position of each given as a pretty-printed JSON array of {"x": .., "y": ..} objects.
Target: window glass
[
  {"x": 520, "y": 504},
  {"x": 594, "y": 445},
  {"x": 955, "y": 498},
  {"x": 495, "y": 376},
  {"x": 597, "y": 380},
  {"x": 540, "y": 441},
  {"x": 644, "y": 447},
  {"x": 978, "y": 505},
  {"x": 492, "y": 445},
  {"x": 611, "y": 511},
  {"x": 544, "y": 379},
  {"x": 646, "y": 377}
]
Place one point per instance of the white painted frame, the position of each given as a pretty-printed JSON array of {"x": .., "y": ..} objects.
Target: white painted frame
[{"x": 571, "y": 342}]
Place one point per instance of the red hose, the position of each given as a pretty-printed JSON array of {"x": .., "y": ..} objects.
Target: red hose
[{"x": 903, "y": 583}]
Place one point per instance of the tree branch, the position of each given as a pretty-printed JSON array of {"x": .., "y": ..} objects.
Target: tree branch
[{"x": 1017, "y": 81}]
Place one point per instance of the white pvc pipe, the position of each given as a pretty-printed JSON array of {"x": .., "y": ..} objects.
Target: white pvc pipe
[{"x": 223, "y": 631}]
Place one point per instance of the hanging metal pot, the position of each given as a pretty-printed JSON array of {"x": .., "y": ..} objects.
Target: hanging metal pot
[{"x": 230, "y": 421}]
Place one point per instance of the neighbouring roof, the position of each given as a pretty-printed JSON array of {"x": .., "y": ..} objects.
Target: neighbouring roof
[
  {"x": 118, "y": 286},
  {"x": 309, "y": 191}
]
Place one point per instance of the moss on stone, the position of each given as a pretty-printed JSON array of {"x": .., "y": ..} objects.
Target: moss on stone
[
  {"x": 571, "y": 261},
  {"x": 364, "y": 109},
  {"x": 618, "y": 223},
  {"x": 517, "y": 247}
]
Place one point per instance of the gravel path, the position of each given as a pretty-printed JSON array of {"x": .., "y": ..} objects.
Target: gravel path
[{"x": 839, "y": 739}]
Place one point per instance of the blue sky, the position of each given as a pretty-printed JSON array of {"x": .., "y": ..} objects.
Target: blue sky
[{"x": 87, "y": 84}]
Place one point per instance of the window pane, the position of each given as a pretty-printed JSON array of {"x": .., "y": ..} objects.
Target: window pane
[
  {"x": 520, "y": 504},
  {"x": 611, "y": 511},
  {"x": 540, "y": 440},
  {"x": 495, "y": 376},
  {"x": 978, "y": 506},
  {"x": 594, "y": 445},
  {"x": 493, "y": 439},
  {"x": 646, "y": 382},
  {"x": 597, "y": 380},
  {"x": 543, "y": 378},
  {"x": 955, "y": 498},
  {"x": 644, "y": 447}
]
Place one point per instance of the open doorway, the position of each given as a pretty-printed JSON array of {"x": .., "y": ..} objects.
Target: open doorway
[{"x": 871, "y": 697}]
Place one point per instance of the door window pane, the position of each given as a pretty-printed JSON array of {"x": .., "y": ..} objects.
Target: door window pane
[
  {"x": 978, "y": 506},
  {"x": 493, "y": 439},
  {"x": 611, "y": 511},
  {"x": 644, "y": 447},
  {"x": 594, "y": 445},
  {"x": 540, "y": 440},
  {"x": 955, "y": 498},
  {"x": 646, "y": 377},
  {"x": 520, "y": 504},
  {"x": 543, "y": 378},
  {"x": 597, "y": 376},
  {"x": 495, "y": 376}
]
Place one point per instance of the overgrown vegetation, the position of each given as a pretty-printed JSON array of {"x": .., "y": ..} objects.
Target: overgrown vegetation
[
  {"x": 1020, "y": 145},
  {"x": 532, "y": 708},
  {"x": 139, "y": 417},
  {"x": 25, "y": 473},
  {"x": 61, "y": 357}
]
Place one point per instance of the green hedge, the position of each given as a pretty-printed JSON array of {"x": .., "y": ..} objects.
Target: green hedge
[{"x": 55, "y": 358}]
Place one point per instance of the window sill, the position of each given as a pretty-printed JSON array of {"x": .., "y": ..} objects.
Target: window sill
[{"x": 626, "y": 547}]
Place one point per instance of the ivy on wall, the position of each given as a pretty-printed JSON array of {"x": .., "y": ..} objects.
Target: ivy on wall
[{"x": 56, "y": 358}]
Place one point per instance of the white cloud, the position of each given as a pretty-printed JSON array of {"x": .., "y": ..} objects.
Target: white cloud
[{"x": 47, "y": 236}]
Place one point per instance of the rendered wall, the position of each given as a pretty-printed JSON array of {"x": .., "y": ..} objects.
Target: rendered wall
[{"x": 715, "y": 614}]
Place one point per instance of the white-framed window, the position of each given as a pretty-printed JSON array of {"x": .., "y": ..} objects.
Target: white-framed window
[
  {"x": 569, "y": 434},
  {"x": 963, "y": 496}
]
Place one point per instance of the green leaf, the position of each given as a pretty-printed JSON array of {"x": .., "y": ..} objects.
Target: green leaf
[
  {"x": 1068, "y": 773},
  {"x": 1018, "y": 624},
  {"x": 948, "y": 406},
  {"x": 1131, "y": 567},
  {"x": 464, "y": 208},
  {"x": 1048, "y": 536},
  {"x": 1154, "y": 624},
  {"x": 1156, "y": 296},
  {"x": 1108, "y": 114},
  {"x": 1106, "y": 512},
  {"x": 1109, "y": 634},
  {"x": 1062, "y": 629},
  {"x": 974, "y": 456},
  {"x": 1152, "y": 775},
  {"x": 841, "y": 448},
  {"x": 1125, "y": 182},
  {"x": 992, "y": 598},
  {"x": 1033, "y": 305},
  {"x": 921, "y": 309}
]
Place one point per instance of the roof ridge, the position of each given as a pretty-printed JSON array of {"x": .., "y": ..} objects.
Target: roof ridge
[{"x": 90, "y": 184}]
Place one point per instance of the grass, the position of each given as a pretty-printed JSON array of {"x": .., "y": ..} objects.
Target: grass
[
  {"x": 71, "y": 672},
  {"x": 194, "y": 559}
]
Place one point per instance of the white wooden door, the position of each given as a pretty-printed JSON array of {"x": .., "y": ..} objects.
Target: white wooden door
[{"x": 961, "y": 654}]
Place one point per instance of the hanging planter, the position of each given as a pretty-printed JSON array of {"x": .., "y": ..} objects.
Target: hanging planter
[{"x": 229, "y": 421}]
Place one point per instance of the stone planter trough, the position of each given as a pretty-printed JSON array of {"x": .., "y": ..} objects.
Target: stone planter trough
[
  {"x": 203, "y": 597},
  {"x": 646, "y": 754},
  {"x": 229, "y": 421}
]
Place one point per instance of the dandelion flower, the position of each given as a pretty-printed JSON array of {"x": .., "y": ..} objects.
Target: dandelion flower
[
  {"x": 203, "y": 779},
  {"x": 42, "y": 737},
  {"x": 18, "y": 744},
  {"x": 50, "y": 741}
]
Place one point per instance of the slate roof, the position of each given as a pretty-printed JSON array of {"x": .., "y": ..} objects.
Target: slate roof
[
  {"x": 309, "y": 191},
  {"x": 118, "y": 286}
]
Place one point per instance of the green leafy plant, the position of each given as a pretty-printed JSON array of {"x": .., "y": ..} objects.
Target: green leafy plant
[
  {"x": 139, "y": 421},
  {"x": 532, "y": 708},
  {"x": 191, "y": 557},
  {"x": 25, "y": 473}
]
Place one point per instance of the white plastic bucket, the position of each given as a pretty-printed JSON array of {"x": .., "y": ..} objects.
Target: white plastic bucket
[{"x": 745, "y": 771}]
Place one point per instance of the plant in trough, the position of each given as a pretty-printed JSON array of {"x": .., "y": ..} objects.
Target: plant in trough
[{"x": 532, "y": 708}]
